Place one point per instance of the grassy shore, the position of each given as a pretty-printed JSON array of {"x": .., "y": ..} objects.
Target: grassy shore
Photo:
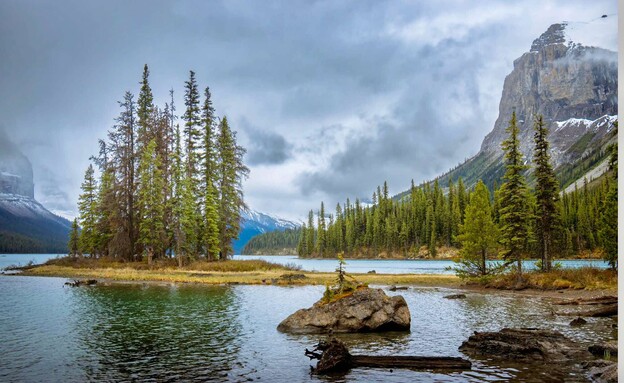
[
  {"x": 251, "y": 272},
  {"x": 259, "y": 272}
]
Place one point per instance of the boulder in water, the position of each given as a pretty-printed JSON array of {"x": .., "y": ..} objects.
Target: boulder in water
[{"x": 366, "y": 310}]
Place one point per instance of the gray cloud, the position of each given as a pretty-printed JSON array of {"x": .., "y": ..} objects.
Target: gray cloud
[
  {"x": 354, "y": 92},
  {"x": 267, "y": 148}
]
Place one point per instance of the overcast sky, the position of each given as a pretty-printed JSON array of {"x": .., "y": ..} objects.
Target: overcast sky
[{"x": 330, "y": 98}]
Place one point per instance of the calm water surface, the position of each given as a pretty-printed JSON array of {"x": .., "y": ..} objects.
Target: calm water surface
[
  {"x": 195, "y": 333},
  {"x": 396, "y": 266}
]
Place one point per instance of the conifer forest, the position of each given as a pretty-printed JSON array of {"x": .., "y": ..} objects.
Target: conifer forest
[
  {"x": 515, "y": 221},
  {"x": 163, "y": 185}
]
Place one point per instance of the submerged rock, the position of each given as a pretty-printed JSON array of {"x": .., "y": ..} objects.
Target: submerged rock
[
  {"x": 602, "y": 371},
  {"x": 366, "y": 310},
  {"x": 456, "y": 296},
  {"x": 578, "y": 322},
  {"x": 81, "y": 282},
  {"x": 527, "y": 344},
  {"x": 607, "y": 349}
]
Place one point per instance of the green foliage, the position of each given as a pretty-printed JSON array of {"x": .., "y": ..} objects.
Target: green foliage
[
  {"x": 150, "y": 202},
  {"x": 478, "y": 235},
  {"x": 514, "y": 200},
  {"x": 274, "y": 242},
  {"x": 88, "y": 214},
  {"x": 231, "y": 172},
  {"x": 74, "y": 239},
  {"x": 345, "y": 283},
  {"x": 609, "y": 215},
  {"x": 548, "y": 215},
  {"x": 158, "y": 195}
]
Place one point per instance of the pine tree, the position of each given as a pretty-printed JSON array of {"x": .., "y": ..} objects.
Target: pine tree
[
  {"x": 231, "y": 173},
  {"x": 321, "y": 238},
  {"x": 151, "y": 203},
  {"x": 609, "y": 215},
  {"x": 192, "y": 118},
  {"x": 145, "y": 109},
  {"x": 210, "y": 235},
  {"x": 478, "y": 233},
  {"x": 87, "y": 208},
  {"x": 546, "y": 194},
  {"x": 177, "y": 175},
  {"x": 122, "y": 144},
  {"x": 74, "y": 239},
  {"x": 310, "y": 240},
  {"x": 514, "y": 202}
]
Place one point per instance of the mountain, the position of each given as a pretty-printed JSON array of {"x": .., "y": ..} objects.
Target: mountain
[
  {"x": 255, "y": 223},
  {"x": 574, "y": 87},
  {"x": 25, "y": 225}
]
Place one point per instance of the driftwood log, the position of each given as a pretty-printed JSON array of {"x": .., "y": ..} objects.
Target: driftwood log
[
  {"x": 605, "y": 311},
  {"x": 333, "y": 356},
  {"x": 605, "y": 300}
]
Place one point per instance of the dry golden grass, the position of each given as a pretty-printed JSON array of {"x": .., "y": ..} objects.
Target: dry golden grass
[
  {"x": 588, "y": 278},
  {"x": 233, "y": 275}
]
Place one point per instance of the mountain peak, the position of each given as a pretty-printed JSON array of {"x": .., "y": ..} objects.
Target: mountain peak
[{"x": 555, "y": 34}]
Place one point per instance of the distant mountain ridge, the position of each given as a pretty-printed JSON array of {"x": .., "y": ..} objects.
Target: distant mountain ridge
[
  {"x": 254, "y": 223},
  {"x": 26, "y": 226},
  {"x": 574, "y": 87}
]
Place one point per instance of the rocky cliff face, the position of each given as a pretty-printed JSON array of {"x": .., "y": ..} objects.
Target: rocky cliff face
[{"x": 561, "y": 80}]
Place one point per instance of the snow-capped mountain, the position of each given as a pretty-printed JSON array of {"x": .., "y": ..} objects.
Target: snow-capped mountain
[
  {"x": 569, "y": 80},
  {"x": 254, "y": 223},
  {"x": 26, "y": 226}
]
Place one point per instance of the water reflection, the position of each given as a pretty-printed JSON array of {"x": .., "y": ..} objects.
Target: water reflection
[
  {"x": 196, "y": 333},
  {"x": 163, "y": 333}
]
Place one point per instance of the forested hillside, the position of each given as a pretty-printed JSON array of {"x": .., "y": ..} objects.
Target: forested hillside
[
  {"x": 432, "y": 218},
  {"x": 273, "y": 243}
]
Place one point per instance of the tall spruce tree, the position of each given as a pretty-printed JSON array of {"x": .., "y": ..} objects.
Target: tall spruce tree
[
  {"x": 546, "y": 193},
  {"x": 150, "y": 201},
  {"x": 478, "y": 234},
  {"x": 231, "y": 173},
  {"x": 192, "y": 126},
  {"x": 88, "y": 215},
  {"x": 210, "y": 235},
  {"x": 74, "y": 239},
  {"x": 145, "y": 110},
  {"x": 514, "y": 200}
]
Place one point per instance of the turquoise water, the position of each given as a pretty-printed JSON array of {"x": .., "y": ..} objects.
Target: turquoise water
[
  {"x": 146, "y": 332},
  {"x": 395, "y": 266},
  {"x": 381, "y": 266}
]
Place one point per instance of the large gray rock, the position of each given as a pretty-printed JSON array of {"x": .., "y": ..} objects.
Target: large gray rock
[
  {"x": 526, "y": 344},
  {"x": 366, "y": 310}
]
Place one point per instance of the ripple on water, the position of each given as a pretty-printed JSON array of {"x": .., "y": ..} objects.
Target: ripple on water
[{"x": 193, "y": 333}]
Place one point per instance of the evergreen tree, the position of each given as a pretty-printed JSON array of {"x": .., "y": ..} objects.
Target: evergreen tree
[
  {"x": 210, "y": 235},
  {"x": 192, "y": 118},
  {"x": 87, "y": 208},
  {"x": 546, "y": 194},
  {"x": 321, "y": 240},
  {"x": 151, "y": 203},
  {"x": 231, "y": 173},
  {"x": 74, "y": 239},
  {"x": 478, "y": 234},
  {"x": 145, "y": 109},
  {"x": 609, "y": 215},
  {"x": 514, "y": 199}
]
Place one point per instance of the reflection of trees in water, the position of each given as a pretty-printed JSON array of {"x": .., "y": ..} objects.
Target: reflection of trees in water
[{"x": 163, "y": 333}]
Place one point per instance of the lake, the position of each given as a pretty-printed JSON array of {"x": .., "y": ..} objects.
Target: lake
[
  {"x": 147, "y": 332},
  {"x": 381, "y": 266}
]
